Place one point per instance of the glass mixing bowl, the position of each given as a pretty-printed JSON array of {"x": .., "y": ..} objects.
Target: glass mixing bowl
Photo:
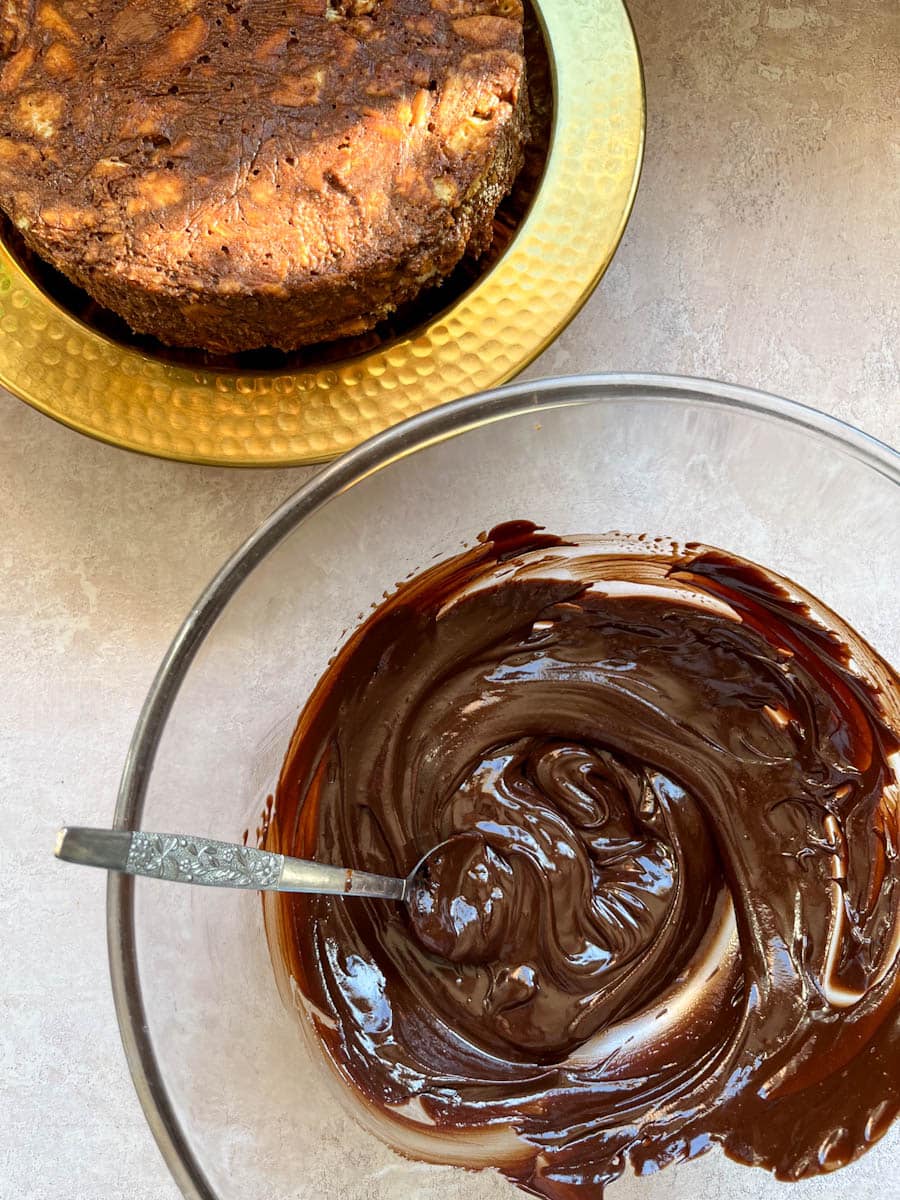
[{"x": 240, "y": 1106}]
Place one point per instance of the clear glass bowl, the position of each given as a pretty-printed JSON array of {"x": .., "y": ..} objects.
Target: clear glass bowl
[{"x": 239, "y": 1104}]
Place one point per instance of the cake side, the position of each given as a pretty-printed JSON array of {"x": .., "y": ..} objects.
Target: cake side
[{"x": 258, "y": 173}]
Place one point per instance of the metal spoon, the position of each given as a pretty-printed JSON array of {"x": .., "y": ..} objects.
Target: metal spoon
[{"x": 184, "y": 859}]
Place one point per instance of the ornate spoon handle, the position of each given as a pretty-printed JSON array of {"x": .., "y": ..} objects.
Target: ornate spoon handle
[{"x": 184, "y": 859}]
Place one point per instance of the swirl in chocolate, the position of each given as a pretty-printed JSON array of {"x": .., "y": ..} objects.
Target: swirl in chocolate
[{"x": 667, "y": 913}]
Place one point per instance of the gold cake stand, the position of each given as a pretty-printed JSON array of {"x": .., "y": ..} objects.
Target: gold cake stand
[{"x": 289, "y": 413}]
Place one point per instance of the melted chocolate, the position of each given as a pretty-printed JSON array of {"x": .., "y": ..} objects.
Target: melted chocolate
[{"x": 667, "y": 915}]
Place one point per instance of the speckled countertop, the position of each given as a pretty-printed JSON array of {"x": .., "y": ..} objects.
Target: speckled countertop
[{"x": 763, "y": 250}]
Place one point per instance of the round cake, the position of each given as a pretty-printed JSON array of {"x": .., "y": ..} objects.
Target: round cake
[{"x": 232, "y": 175}]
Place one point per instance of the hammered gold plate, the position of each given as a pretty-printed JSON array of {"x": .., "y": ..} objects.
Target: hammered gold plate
[{"x": 239, "y": 417}]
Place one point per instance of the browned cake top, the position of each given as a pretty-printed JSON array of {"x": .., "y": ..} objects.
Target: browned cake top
[{"x": 199, "y": 144}]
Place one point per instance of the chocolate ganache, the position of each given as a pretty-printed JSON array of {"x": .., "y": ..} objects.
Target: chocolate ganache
[{"x": 667, "y": 913}]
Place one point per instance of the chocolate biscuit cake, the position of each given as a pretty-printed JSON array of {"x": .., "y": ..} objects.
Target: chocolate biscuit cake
[{"x": 231, "y": 175}]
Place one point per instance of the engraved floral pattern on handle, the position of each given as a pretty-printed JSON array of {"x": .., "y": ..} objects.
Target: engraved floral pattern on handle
[{"x": 196, "y": 860}]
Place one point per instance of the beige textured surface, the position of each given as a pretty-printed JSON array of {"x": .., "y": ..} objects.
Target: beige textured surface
[{"x": 762, "y": 249}]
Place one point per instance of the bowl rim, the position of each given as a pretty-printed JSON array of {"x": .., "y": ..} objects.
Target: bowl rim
[{"x": 379, "y": 452}]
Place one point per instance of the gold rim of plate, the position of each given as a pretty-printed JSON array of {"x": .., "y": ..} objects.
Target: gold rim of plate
[{"x": 230, "y": 417}]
